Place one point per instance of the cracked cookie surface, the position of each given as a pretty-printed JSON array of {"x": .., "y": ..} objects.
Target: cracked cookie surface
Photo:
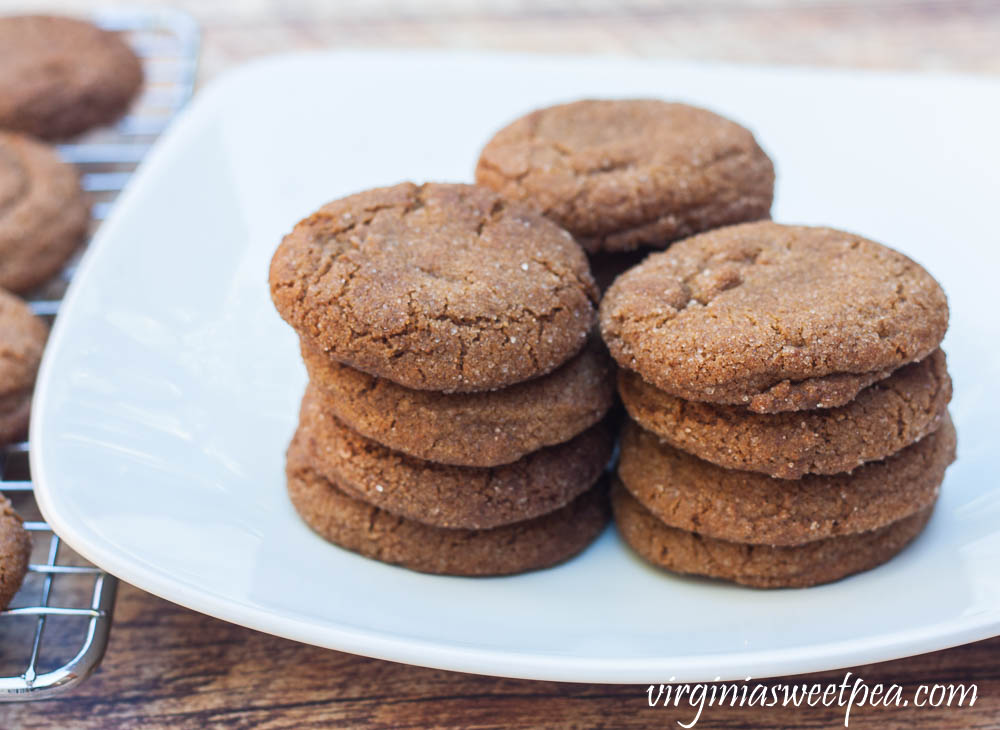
[
  {"x": 375, "y": 533},
  {"x": 468, "y": 429},
  {"x": 61, "y": 76},
  {"x": 688, "y": 493},
  {"x": 15, "y": 551},
  {"x": 772, "y": 317},
  {"x": 759, "y": 566},
  {"x": 436, "y": 287},
  {"x": 884, "y": 418},
  {"x": 22, "y": 340},
  {"x": 43, "y": 212},
  {"x": 452, "y": 496},
  {"x": 620, "y": 174}
]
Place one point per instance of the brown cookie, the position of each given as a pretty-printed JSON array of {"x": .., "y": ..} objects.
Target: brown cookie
[
  {"x": 760, "y": 566},
  {"x": 43, "y": 212},
  {"x": 628, "y": 173},
  {"x": 772, "y": 317},
  {"x": 538, "y": 543},
  {"x": 883, "y": 418},
  {"x": 452, "y": 496},
  {"x": 741, "y": 506},
  {"x": 436, "y": 287},
  {"x": 22, "y": 339},
  {"x": 62, "y": 76},
  {"x": 15, "y": 552},
  {"x": 468, "y": 429}
]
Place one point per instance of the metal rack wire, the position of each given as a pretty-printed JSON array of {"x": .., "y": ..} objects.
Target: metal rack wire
[{"x": 64, "y": 601}]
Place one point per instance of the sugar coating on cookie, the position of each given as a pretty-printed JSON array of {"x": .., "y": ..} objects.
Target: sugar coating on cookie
[
  {"x": 43, "y": 212},
  {"x": 759, "y": 566},
  {"x": 772, "y": 317},
  {"x": 452, "y": 496},
  {"x": 15, "y": 552},
  {"x": 61, "y": 76},
  {"x": 437, "y": 287},
  {"x": 884, "y": 418},
  {"x": 468, "y": 429},
  {"x": 22, "y": 340},
  {"x": 688, "y": 493},
  {"x": 375, "y": 533},
  {"x": 620, "y": 174}
]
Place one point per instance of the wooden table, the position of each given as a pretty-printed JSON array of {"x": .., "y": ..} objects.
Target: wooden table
[{"x": 168, "y": 667}]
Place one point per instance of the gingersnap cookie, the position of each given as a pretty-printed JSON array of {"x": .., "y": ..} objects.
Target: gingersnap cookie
[
  {"x": 468, "y": 429},
  {"x": 15, "y": 552},
  {"x": 436, "y": 287},
  {"x": 43, "y": 212},
  {"x": 61, "y": 76},
  {"x": 760, "y": 566},
  {"x": 375, "y": 533},
  {"x": 22, "y": 339},
  {"x": 741, "y": 506},
  {"x": 772, "y": 317},
  {"x": 883, "y": 418},
  {"x": 452, "y": 496},
  {"x": 632, "y": 172}
]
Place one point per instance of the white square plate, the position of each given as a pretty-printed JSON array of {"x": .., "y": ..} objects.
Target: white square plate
[{"x": 170, "y": 386}]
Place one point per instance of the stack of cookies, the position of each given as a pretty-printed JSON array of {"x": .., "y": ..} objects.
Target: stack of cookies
[
  {"x": 628, "y": 175},
  {"x": 452, "y": 422},
  {"x": 788, "y": 400}
]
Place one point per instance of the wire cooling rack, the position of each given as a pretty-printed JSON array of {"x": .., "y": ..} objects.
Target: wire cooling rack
[{"x": 56, "y": 629}]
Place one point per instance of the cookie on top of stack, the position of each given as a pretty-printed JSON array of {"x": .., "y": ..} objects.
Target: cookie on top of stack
[
  {"x": 789, "y": 403},
  {"x": 625, "y": 176},
  {"x": 452, "y": 422}
]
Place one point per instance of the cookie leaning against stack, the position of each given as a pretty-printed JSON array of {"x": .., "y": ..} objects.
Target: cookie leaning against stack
[
  {"x": 628, "y": 175},
  {"x": 789, "y": 403},
  {"x": 452, "y": 420}
]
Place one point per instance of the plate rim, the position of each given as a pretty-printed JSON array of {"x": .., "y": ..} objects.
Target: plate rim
[{"x": 757, "y": 663}]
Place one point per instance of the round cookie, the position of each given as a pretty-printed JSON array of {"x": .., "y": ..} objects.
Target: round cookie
[
  {"x": 772, "y": 317},
  {"x": 883, "y": 418},
  {"x": 452, "y": 496},
  {"x": 759, "y": 566},
  {"x": 22, "y": 339},
  {"x": 355, "y": 525},
  {"x": 435, "y": 287},
  {"x": 620, "y": 174},
  {"x": 62, "y": 76},
  {"x": 468, "y": 429},
  {"x": 740, "y": 506},
  {"x": 43, "y": 212},
  {"x": 15, "y": 552}
]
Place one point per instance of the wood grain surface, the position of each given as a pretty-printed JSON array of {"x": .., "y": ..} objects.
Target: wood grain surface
[{"x": 168, "y": 667}]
